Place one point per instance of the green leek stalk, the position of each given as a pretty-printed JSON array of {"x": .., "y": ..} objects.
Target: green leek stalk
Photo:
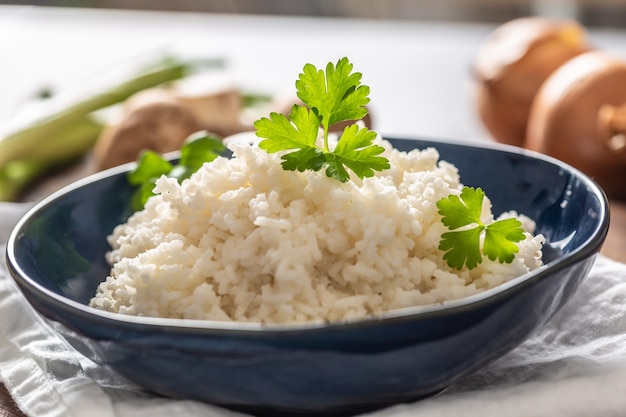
[
  {"x": 68, "y": 146},
  {"x": 62, "y": 136},
  {"x": 20, "y": 144}
]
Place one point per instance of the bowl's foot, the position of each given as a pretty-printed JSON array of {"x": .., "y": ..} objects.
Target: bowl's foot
[{"x": 340, "y": 411}]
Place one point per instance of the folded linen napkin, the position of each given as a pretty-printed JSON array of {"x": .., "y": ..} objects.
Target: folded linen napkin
[{"x": 575, "y": 366}]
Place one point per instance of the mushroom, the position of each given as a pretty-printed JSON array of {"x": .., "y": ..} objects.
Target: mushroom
[
  {"x": 161, "y": 118},
  {"x": 214, "y": 100},
  {"x": 152, "y": 120}
]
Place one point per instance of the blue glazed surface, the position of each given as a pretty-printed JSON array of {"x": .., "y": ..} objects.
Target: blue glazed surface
[{"x": 56, "y": 256}]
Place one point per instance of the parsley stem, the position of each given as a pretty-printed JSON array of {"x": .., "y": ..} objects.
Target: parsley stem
[{"x": 326, "y": 147}]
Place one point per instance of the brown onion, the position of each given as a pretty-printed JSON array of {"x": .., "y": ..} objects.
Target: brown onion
[
  {"x": 579, "y": 117},
  {"x": 513, "y": 62}
]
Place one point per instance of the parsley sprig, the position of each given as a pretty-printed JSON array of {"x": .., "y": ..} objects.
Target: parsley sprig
[
  {"x": 463, "y": 247},
  {"x": 195, "y": 151},
  {"x": 330, "y": 97}
]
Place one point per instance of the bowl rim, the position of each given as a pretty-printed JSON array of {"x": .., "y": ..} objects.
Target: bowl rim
[{"x": 587, "y": 249}]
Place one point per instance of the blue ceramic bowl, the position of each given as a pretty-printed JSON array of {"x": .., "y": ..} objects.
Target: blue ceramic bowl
[{"x": 56, "y": 256}]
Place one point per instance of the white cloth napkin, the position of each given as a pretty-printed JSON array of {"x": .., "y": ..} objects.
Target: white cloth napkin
[{"x": 575, "y": 366}]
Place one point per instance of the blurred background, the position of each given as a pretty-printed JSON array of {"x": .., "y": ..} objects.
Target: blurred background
[
  {"x": 589, "y": 12},
  {"x": 419, "y": 57}
]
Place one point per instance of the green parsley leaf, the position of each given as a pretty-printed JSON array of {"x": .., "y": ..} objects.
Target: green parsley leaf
[
  {"x": 298, "y": 131},
  {"x": 463, "y": 247},
  {"x": 142, "y": 193},
  {"x": 459, "y": 211},
  {"x": 199, "y": 149},
  {"x": 355, "y": 151},
  {"x": 195, "y": 151},
  {"x": 337, "y": 95},
  {"x": 150, "y": 165},
  {"x": 499, "y": 240},
  {"x": 303, "y": 159},
  {"x": 330, "y": 97}
]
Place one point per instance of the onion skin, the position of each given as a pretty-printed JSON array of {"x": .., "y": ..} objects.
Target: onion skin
[
  {"x": 575, "y": 117},
  {"x": 512, "y": 63}
]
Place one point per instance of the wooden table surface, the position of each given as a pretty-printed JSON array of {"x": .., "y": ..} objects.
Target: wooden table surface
[{"x": 614, "y": 247}]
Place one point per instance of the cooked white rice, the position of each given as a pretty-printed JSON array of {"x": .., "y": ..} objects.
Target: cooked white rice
[{"x": 245, "y": 240}]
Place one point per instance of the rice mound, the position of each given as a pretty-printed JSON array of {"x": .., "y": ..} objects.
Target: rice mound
[{"x": 245, "y": 240}]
